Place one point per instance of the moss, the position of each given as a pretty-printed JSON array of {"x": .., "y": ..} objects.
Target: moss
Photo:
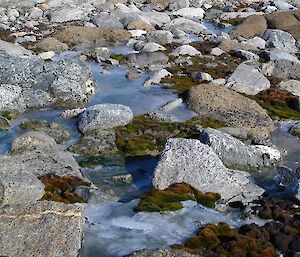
[
  {"x": 5, "y": 35},
  {"x": 94, "y": 161},
  {"x": 278, "y": 103},
  {"x": 9, "y": 114},
  {"x": 296, "y": 132},
  {"x": 61, "y": 189},
  {"x": 170, "y": 199},
  {"x": 4, "y": 123},
  {"x": 144, "y": 136},
  {"x": 236, "y": 21},
  {"x": 119, "y": 57}
]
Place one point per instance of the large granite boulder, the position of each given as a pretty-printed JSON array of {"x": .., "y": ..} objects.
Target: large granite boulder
[
  {"x": 248, "y": 79},
  {"x": 235, "y": 110},
  {"x": 41, "y": 229},
  {"x": 30, "y": 82},
  {"x": 237, "y": 155},
  {"x": 192, "y": 162},
  {"x": 104, "y": 116}
]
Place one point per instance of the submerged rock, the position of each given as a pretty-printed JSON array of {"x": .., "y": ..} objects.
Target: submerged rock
[
  {"x": 237, "y": 155},
  {"x": 41, "y": 229},
  {"x": 190, "y": 161},
  {"x": 235, "y": 110}
]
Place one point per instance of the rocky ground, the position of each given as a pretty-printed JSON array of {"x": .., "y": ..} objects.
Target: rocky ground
[{"x": 234, "y": 69}]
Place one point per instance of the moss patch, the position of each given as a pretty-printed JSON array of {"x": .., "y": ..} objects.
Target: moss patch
[
  {"x": 170, "y": 199},
  {"x": 61, "y": 189},
  {"x": 278, "y": 103},
  {"x": 144, "y": 136},
  {"x": 119, "y": 57},
  {"x": 94, "y": 161},
  {"x": 10, "y": 115}
]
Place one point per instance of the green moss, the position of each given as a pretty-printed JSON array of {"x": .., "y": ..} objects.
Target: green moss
[
  {"x": 95, "y": 161},
  {"x": 296, "y": 133},
  {"x": 61, "y": 189},
  {"x": 170, "y": 199},
  {"x": 144, "y": 136},
  {"x": 10, "y": 115},
  {"x": 119, "y": 57}
]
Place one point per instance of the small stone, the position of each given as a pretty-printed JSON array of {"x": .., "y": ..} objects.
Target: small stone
[{"x": 47, "y": 55}]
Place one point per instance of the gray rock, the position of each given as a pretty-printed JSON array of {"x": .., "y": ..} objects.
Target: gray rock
[
  {"x": 190, "y": 12},
  {"x": 106, "y": 20},
  {"x": 179, "y": 4},
  {"x": 161, "y": 37},
  {"x": 280, "y": 40},
  {"x": 236, "y": 155},
  {"x": 155, "y": 18},
  {"x": 292, "y": 86},
  {"x": 104, "y": 116},
  {"x": 13, "y": 49},
  {"x": 248, "y": 79},
  {"x": 186, "y": 50},
  {"x": 152, "y": 47},
  {"x": 162, "y": 253},
  {"x": 156, "y": 78},
  {"x": 188, "y": 26},
  {"x": 171, "y": 105},
  {"x": 283, "y": 5},
  {"x": 41, "y": 229},
  {"x": 295, "y": 130},
  {"x": 161, "y": 116},
  {"x": 19, "y": 189},
  {"x": 201, "y": 76},
  {"x": 36, "y": 13},
  {"x": 66, "y": 14},
  {"x": 35, "y": 83},
  {"x": 288, "y": 177},
  {"x": 144, "y": 60},
  {"x": 284, "y": 68},
  {"x": 190, "y": 161},
  {"x": 68, "y": 114},
  {"x": 246, "y": 55},
  {"x": 257, "y": 42}
]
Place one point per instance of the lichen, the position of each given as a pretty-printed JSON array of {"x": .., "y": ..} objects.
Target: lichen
[
  {"x": 144, "y": 136},
  {"x": 171, "y": 198},
  {"x": 61, "y": 189}
]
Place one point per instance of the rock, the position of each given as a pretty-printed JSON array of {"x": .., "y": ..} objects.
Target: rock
[
  {"x": 256, "y": 42},
  {"x": 292, "y": 86},
  {"x": 295, "y": 130},
  {"x": 144, "y": 60},
  {"x": 102, "y": 54},
  {"x": 228, "y": 45},
  {"x": 246, "y": 55},
  {"x": 190, "y": 161},
  {"x": 52, "y": 44},
  {"x": 201, "y": 76},
  {"x": 91, "y": 36},
  {"x": 47, "y": 55},
  {"x": 283, "y": 6},
  {"x": 156, "y": 78},
  {"x": 155, "y": 18},
  {"x": 41, "y": 229},
  {"x": 248, "y": 79},
  {"x": 284, "y": 67},
  {"x": 161, "y": 117},
  {"x": 35, "y": 83},
  {"x": 186, "y": 50},
  {"x": 104, "y": 116},
  {"x": 236, "y": 155},
  {"x": 19, "y": 189},
  {"x": 106, "y": 20},
  {"x": 152, "y": 47},
  {"x": 140, "y": 25},
  {"x": 179, "y": 4},
  {"x": 280, "y": 40},
  {"x": 251, "y": 26},
  {"x": 171, "y": 105},
  {"x": 190, "y": 12},
  {"x": 31, "y": 141},
  {"x": 162, "y": 253},
  {"x": 188, "y": 26},
  {"x": 13, "y": 49},
  {"x": 217, "y": 51},
  {"x": 36, "y": 13},
  {"x": 239, "y": 15},
  {"x": 66, "y": 14},
  {"x": 227, "y": 106},
  {"x": 161, "y": 37},
  {"x": 68, "y": 114}
]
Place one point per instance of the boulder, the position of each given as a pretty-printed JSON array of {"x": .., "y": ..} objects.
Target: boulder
[
  {"x": 248, "y": 79},
  {"x": 104, "y": 116},
  {"x": 251, "y": 26},
  {"x": 223, "y": 104},
  {"x": 186, "y": 50},
  {"x": 140, "y": 25},
  {"x": 106, "y": 20},
  {"x": 161, "y": 37},
  {"x": 156, "y": 78},
  {"x": 41, "y": 229},
  {"x": 190, "y": 12},
  {"x": 237, "y": 155},
  {"x": 144, "y": 59},
  {"x": 292, "y": 86},
  {"x": 13, "y": 49},
  {"x": 280, "y": 40},
  {"x": 285, "y": 67},
  {"x": 51, "y": 44},
  {"x": 66, "y": 14},
  {"x": 190, "y": 161},
  {"x": 228, "y": 45},
  {"x": 31, "y": 82}
]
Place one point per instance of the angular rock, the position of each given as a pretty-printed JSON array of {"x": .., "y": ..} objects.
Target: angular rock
[
  {"x": 285, "y": 67},
  {"x": 190, "y": 161},
  {"x": 186, "y": 50},
  {"x": 67, "y": 14},
  {"x": 237, "y": 155},
  {"x": 156, "y": 78},
  {"x": 248, "y": 79},
  {"x": 161, "y": 37},
  {"x": 13, "y": 49},
  {"x": 292, "y": 86},
  {"x": 190, "y": 12},
  {"x": 104, "y": 116},
  {"x": 257, "y": 42},
  {"x": 106, "y": 20},
  {"x": 41, "y": 229},
  {"x": 235, "y": 110}
]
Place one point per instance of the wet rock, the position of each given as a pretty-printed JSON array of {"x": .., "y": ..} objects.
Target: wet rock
[
  {"x": 190, "y": 161},
  {"x": 91, "y": 36},
  {"x": 19, "y": 189},
  {"x": 37, "y": 83},
  {"x": 231, "y": 108},
  {"x": 58, "y": 229},
  {"x": 13, "y": 49},
  {"x": 156, "y": 78},
  {"x": 51, "y": 44},
  {"x": 252, "y": 26},
  {"x": 237, "y": 155},
  {"x": 186, "y": 50},
  {"x": 280, "y": 40},
  {"x": 248, "y": 79},
  {"x": 104, "y": 116},
  {"x": 295, "y": 130}
]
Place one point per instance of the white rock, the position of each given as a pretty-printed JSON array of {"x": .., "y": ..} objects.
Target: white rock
[
  {"x": 47, "y": 55},
  {"x": 190, "y": 12},
  {"x": 157, "y": 77},
  {"x": 186, "y": 50}
]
